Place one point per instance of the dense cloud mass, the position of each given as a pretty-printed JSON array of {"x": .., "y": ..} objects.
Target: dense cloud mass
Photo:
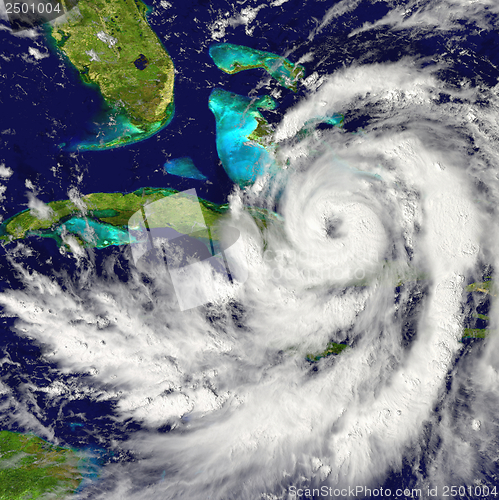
[{"x": 409, "y": 200}]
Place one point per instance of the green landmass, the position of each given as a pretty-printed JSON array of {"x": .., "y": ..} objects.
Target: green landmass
[
  {"x": 101, "y": 219},
  {"x": 332, "y": 348},
  {"x": 32, "y": 468},
  {"x": 468, "y": 333},
  {"x": 244, "y": 141},
  {"x": 232, "y": 58},
  {"x": 483, "y": 287},
  {"x": 113, "y": 47},
  {"x": 475, "y": 333},
  {"x": 263, "y": 132},
  {"x": 480, "y": 316}
]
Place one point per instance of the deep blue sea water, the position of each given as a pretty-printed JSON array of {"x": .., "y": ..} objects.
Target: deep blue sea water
[{"x": 41, "y": 105}]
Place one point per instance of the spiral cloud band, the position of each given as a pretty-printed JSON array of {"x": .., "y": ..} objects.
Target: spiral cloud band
[{"x": 382, "y": 229}]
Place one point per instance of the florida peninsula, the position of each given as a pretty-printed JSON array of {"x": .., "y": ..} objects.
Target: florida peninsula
[{"x": 113, "y": 47}]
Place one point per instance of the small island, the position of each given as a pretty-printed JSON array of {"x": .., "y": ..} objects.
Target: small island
[
  {"x": 486, "y": 288},
  {"x": 184, "y": 167},
  {"x": 113, "y": 48},
  {"x": 33, "y": 468},
  {"x": 234, "y": 58},
  {"x": 332, "y": 348}
]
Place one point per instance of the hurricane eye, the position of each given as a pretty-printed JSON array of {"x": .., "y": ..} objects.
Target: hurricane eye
[{"x": 332, "y": 227}]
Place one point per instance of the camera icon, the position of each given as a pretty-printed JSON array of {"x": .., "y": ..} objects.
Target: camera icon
[{"x": 175, "y": 226}]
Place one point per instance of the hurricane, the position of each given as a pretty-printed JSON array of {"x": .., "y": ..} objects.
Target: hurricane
[{"x": 380, "y": 230}]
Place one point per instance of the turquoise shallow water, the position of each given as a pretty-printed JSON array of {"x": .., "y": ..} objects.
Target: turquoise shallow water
[
  {"x": 90, "y": 231},
  {"x": 234, "y": 58},
  {"x": 111, "y": 129},
  {"x": 237, "y": 117},
  {"x": 184, "y": 167}
]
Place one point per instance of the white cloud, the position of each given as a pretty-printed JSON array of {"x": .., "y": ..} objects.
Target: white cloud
[
  {"x": 5, "y": 172},
  {"x": 38, "y": 208},
  {"x": 245, "y": 17},
  {"x": 36, "y": 53}
]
